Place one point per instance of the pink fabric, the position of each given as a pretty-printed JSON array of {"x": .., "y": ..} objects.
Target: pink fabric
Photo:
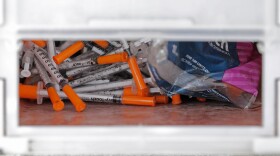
[{"x": 247, "y": 75}]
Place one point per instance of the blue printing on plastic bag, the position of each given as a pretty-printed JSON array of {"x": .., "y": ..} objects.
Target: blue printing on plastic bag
[{"x": 202, "y": 58}]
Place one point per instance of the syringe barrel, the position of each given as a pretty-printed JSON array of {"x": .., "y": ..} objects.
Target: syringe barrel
[
  {"x": 88, "y": 97},
  {"x": 77, "y": 64},
  {"x": 115, "y": 68},
  {"x": 41, "y": 54},
  {"x": 115, "y": 44},
  {"x": 100, "y": 98},
  {"x": 43, "y": 73},
  {"x": 104, "y": 86},
  {"x": 109, "y": 92},
  {"x": 77, "y": 71},
  {"x": 93, "y": 48}
]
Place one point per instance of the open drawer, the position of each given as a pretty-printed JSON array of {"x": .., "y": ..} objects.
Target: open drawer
[{"x": 192, "y": 127}]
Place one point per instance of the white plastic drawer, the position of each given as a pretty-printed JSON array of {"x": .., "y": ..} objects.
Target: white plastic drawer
[
  {"x": 250, "y": 20},
  {"x": 70, "y": 13}
]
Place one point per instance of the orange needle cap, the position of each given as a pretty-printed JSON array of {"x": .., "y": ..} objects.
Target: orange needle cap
[
  {"x": 142, "y": 89},
  {"x": 102, "y": 43},
  {"x": 176, "y": 99},
  {"x": 162, "y": 99},
  {"x": 27, "y": 91},
  {"x": 40, "y": 43},
  {"x": 58, "y": 105},
  {"x": 74, "y": 98},
  {"x": 68, "y": 52},
  {"x": 114, "y": 58},
  {"x": 137, "y": 100}
]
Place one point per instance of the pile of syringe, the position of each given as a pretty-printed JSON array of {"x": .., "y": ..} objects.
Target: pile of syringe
[{"x": 96, "y": 71}]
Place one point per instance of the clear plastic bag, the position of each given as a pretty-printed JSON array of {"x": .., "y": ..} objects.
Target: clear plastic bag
[{"x": 224, "y": 71}]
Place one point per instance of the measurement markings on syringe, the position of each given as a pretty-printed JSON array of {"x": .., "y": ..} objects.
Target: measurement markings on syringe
[{"x": 42, "y": 56}]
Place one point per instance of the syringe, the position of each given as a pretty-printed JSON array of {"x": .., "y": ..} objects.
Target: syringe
[
  {"x": 108, "y": 86},
  {"x": 77, "y": 71},
  {"x": 51, "y": 50},
  {"x": 41, "y": 54},
  {"x": 95, "y": 51},
  {"x": 142, "y": 88},
  {"x": 127, "y": 91},
  {"x": 120, "y": 57},
  {"x": 96, "y": 82},
  {"x": 71, "y": 50},
  {"x": 39, "y": 93},
  {"x": 115, "y": 68},
  {"x": 58, "y": 105}
]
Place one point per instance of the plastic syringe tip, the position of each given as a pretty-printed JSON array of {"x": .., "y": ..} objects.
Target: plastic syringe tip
[
  {"x": 74, "y": 98},
  {"x": 68, "y": 52},
  {"x": 176, "y": 99},
  {"x": 114, "y": 58},
  {"x": 58, "y": 105}
]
